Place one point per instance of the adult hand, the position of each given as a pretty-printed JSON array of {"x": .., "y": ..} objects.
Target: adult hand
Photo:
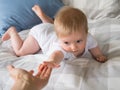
[{"x": 25, "y": 80}]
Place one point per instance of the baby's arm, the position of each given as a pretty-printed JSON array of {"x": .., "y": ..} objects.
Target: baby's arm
[
  {"x": 53, "y": 62},
  {"x": 98, "y": 55},
  {"x": 38, "y": 11},
  {"x": 54, "y": 59}
]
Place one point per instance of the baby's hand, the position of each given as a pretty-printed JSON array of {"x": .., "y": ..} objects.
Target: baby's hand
[
  {"x": 45, "y": 69},
  {"x": 51, "y": 64},
  {"x": 101, "y": 58}
]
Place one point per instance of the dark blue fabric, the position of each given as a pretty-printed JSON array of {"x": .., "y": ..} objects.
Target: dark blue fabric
[{"x": 19, "y": 13}]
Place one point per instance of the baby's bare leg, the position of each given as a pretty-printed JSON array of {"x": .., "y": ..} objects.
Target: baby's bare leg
[
  {"x": 20, "y": 47},
  {"x": 38, "y": 11},
  {"x": 8, "y": 33},
  {"x": 16, "y": 40}
]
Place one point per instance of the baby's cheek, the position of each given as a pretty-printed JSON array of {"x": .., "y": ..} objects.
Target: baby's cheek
[{"x": 66, "y": 48}]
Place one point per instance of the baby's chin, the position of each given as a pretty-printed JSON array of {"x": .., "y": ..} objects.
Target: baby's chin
[{"x": 78, "y": 54}]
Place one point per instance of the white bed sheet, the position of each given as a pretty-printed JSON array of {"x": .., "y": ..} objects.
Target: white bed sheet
[{"x": 79, "y": 74}]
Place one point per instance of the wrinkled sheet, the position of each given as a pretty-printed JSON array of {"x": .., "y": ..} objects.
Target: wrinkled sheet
[{"x": 79, "y": 74}]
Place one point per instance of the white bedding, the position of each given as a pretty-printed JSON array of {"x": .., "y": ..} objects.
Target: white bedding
[{"x": 79, "y": 74}]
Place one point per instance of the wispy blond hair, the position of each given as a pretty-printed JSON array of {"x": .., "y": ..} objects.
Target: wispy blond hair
[{"x": 69, "y": 19}]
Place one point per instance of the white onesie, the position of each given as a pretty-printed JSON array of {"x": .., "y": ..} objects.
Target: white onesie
[{"x": 45, "y": 35}]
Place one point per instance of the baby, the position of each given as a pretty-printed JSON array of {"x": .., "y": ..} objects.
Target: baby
[{"x": 68, "y": 38}]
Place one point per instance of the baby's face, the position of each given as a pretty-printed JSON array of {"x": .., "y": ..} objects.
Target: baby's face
[{"x": 74, "y": 43}]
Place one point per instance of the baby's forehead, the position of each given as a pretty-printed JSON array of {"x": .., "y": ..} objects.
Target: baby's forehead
[
  {"x": 73, "y": 36},
  {"x": 78, "y": 34}
]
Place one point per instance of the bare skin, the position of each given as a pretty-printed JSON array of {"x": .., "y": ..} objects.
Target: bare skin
[
  {"x": 98, "y": 55},
  {"x": 21, "y": 47},
  {"x": 38, "y": 11},
  {"x": 25, "y": 80}
]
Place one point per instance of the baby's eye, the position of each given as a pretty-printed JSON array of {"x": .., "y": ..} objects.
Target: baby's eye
[
  {"x": 66, "y": 43},
  {"x": 78, "y": 41}
]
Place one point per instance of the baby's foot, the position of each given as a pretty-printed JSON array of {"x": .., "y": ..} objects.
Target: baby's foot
[
  {"x": 102, "y": 58},
  {"x": 37, "y": 10},
  {"x": 6, "y": 36},
  {"x": 43, "y": 17}
]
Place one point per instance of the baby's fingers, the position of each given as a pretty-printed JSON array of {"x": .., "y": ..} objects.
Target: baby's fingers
[
  {"x": 101, "y": 59},
  {"x": 56, "y": 65},
  {"x": 51, "y": 64}
]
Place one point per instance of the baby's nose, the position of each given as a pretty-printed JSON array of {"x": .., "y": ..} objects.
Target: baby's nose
[{"x": 73, "y": 47}]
